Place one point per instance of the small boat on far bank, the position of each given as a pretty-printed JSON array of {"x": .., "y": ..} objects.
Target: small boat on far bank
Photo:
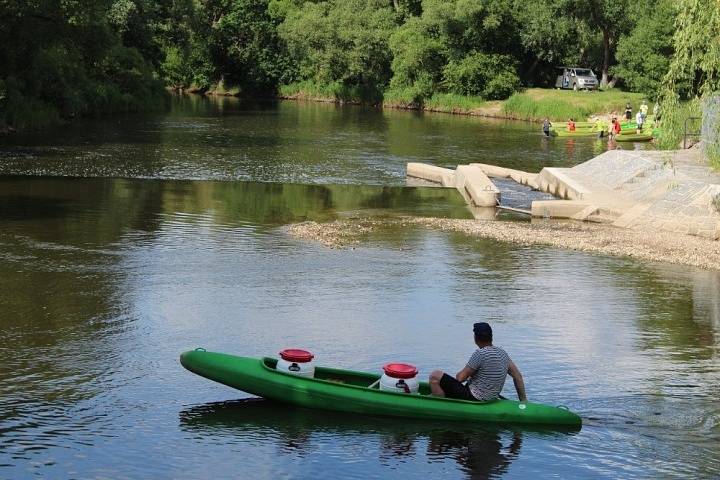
[{"x": 357, "y": 392}]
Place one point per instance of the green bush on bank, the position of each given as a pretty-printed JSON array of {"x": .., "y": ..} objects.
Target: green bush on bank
[{"x": 490, "y": 76}]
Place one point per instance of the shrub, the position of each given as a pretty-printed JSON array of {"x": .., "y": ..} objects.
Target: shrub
[{"x": 490, "y": 76}]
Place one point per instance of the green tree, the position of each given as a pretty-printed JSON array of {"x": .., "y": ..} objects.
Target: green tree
[
  {"x": 490, "y": 76},
  {"x": 419, "y": 55},
  {"x": 548, "y": 36},
  {"x": 62, "y": 59},
  {"x": 241, "y": 43},
  {"x": 342, "y": 42},
  {"x": 450, "y": 44},
  {"x": 694, "y": 71},
  {"x": 610, "y": 20},
  {"x": 644, "y": 54}
]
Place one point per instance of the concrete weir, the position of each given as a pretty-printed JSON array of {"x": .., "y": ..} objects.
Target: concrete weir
[
  {"x": 472, "y": 183},
  {"x": 650, "y": 190}
]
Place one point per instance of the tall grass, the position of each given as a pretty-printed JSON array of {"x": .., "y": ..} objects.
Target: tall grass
[
  {"x": 523, "y": 107},
  {"x": 401, "y": 98},
  {"x": 453, "y": 103},
  {"x": 439, "y": 102},
  {"x": 675, "y": 116},
  {"x": 335, "y": 92},
  {"x": 714, "y": 155},
  {"x": 536, "y": 104}
]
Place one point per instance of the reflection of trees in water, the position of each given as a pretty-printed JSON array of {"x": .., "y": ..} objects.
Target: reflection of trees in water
[
  {"x": 285, "y": 203},
  {"x": 481, "y": 451},
  {"x": 60, "y": 320}
]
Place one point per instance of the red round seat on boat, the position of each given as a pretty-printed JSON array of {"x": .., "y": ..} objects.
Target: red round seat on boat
[
  {"x": 296, "y": 355},
  {"x": 400, "y": 370}
]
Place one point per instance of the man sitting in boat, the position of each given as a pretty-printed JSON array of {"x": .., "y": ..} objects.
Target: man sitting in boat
[{"x": 485, "y": 372}]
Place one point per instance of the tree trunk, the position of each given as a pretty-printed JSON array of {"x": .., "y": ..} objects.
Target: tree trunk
[{"x": 606, "y": 57}]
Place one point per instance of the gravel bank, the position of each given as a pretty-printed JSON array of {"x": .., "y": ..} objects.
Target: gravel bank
[{"x": 652, "y": 246}]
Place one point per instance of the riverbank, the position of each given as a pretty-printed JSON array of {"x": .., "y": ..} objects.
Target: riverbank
[
  {"x": 532, "y": 104},
  {"x": 597, "y": 239}
]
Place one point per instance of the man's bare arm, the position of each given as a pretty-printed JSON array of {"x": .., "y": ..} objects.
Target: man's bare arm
[
  {"x": 464, "y": 374},
  {"x": 514, "y": 372}
]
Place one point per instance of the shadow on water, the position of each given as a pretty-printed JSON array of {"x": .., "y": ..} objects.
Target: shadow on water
[
  {"x": 31, "y": 208},
  {"x": 481, "y": 451}
]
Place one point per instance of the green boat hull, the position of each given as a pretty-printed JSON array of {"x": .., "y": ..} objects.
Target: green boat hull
[
  {"x": 576, "y": 133},
  {"x": 633, "y": 138},
  {"x": 348, "y": 391}
]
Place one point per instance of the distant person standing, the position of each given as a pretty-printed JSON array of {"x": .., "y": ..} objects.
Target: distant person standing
[
  {"x": 628, "y": 111},
  {"x": 571, "y": 125},
  {"x": 614, "y": 128},
  {"x": 599, "y": 127},
  {"x": 640, "y": 120},
  {"x": 644, "y": 110},
  {"x": 546, "y": 127}
]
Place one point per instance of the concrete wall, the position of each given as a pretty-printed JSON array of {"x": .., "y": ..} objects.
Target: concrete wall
[
  {"x": 476, "y": 187},
  {"x": 443, "y": 176}
]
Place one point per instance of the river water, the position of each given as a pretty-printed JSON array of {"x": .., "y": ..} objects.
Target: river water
[{"x": 125, "y": 241}]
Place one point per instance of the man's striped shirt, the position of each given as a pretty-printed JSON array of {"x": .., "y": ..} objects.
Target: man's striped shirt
[{"x": 491, "y": 367}]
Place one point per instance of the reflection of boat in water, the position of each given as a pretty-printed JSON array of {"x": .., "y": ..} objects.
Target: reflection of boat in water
[
  {"x": 481, "y": 455},
  {"x": 480, "y": 450},
  {"x": 356, "y": 392}
]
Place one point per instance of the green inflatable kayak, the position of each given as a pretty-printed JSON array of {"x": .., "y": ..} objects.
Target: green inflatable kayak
[
  {"x": 633, "y": 138},
  {"x": 349, "y": 391},
  {"x": 576, "y": 133}
]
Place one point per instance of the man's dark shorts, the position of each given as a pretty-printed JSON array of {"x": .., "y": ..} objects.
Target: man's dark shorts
[{"x": 455, "y": 389}]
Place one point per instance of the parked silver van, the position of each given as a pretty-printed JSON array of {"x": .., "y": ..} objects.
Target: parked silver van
[{"x": 577, "y": 79}]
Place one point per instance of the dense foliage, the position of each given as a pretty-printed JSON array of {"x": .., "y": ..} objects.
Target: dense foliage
[
  {"x": 694, "y": 70},
  {"x": 63, "y": 58},
  {"x": 68, "y": 58}
]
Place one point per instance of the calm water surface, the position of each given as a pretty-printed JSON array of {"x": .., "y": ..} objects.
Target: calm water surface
[{"x": 105, "y": 280}]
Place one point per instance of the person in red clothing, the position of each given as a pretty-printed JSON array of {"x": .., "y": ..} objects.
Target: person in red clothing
[
  {"x": 614, "y": 128},
  {"x": 571, "y": 125}
]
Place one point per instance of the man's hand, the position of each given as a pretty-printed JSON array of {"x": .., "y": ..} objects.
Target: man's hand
[{"x": 514, "y": 372}]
